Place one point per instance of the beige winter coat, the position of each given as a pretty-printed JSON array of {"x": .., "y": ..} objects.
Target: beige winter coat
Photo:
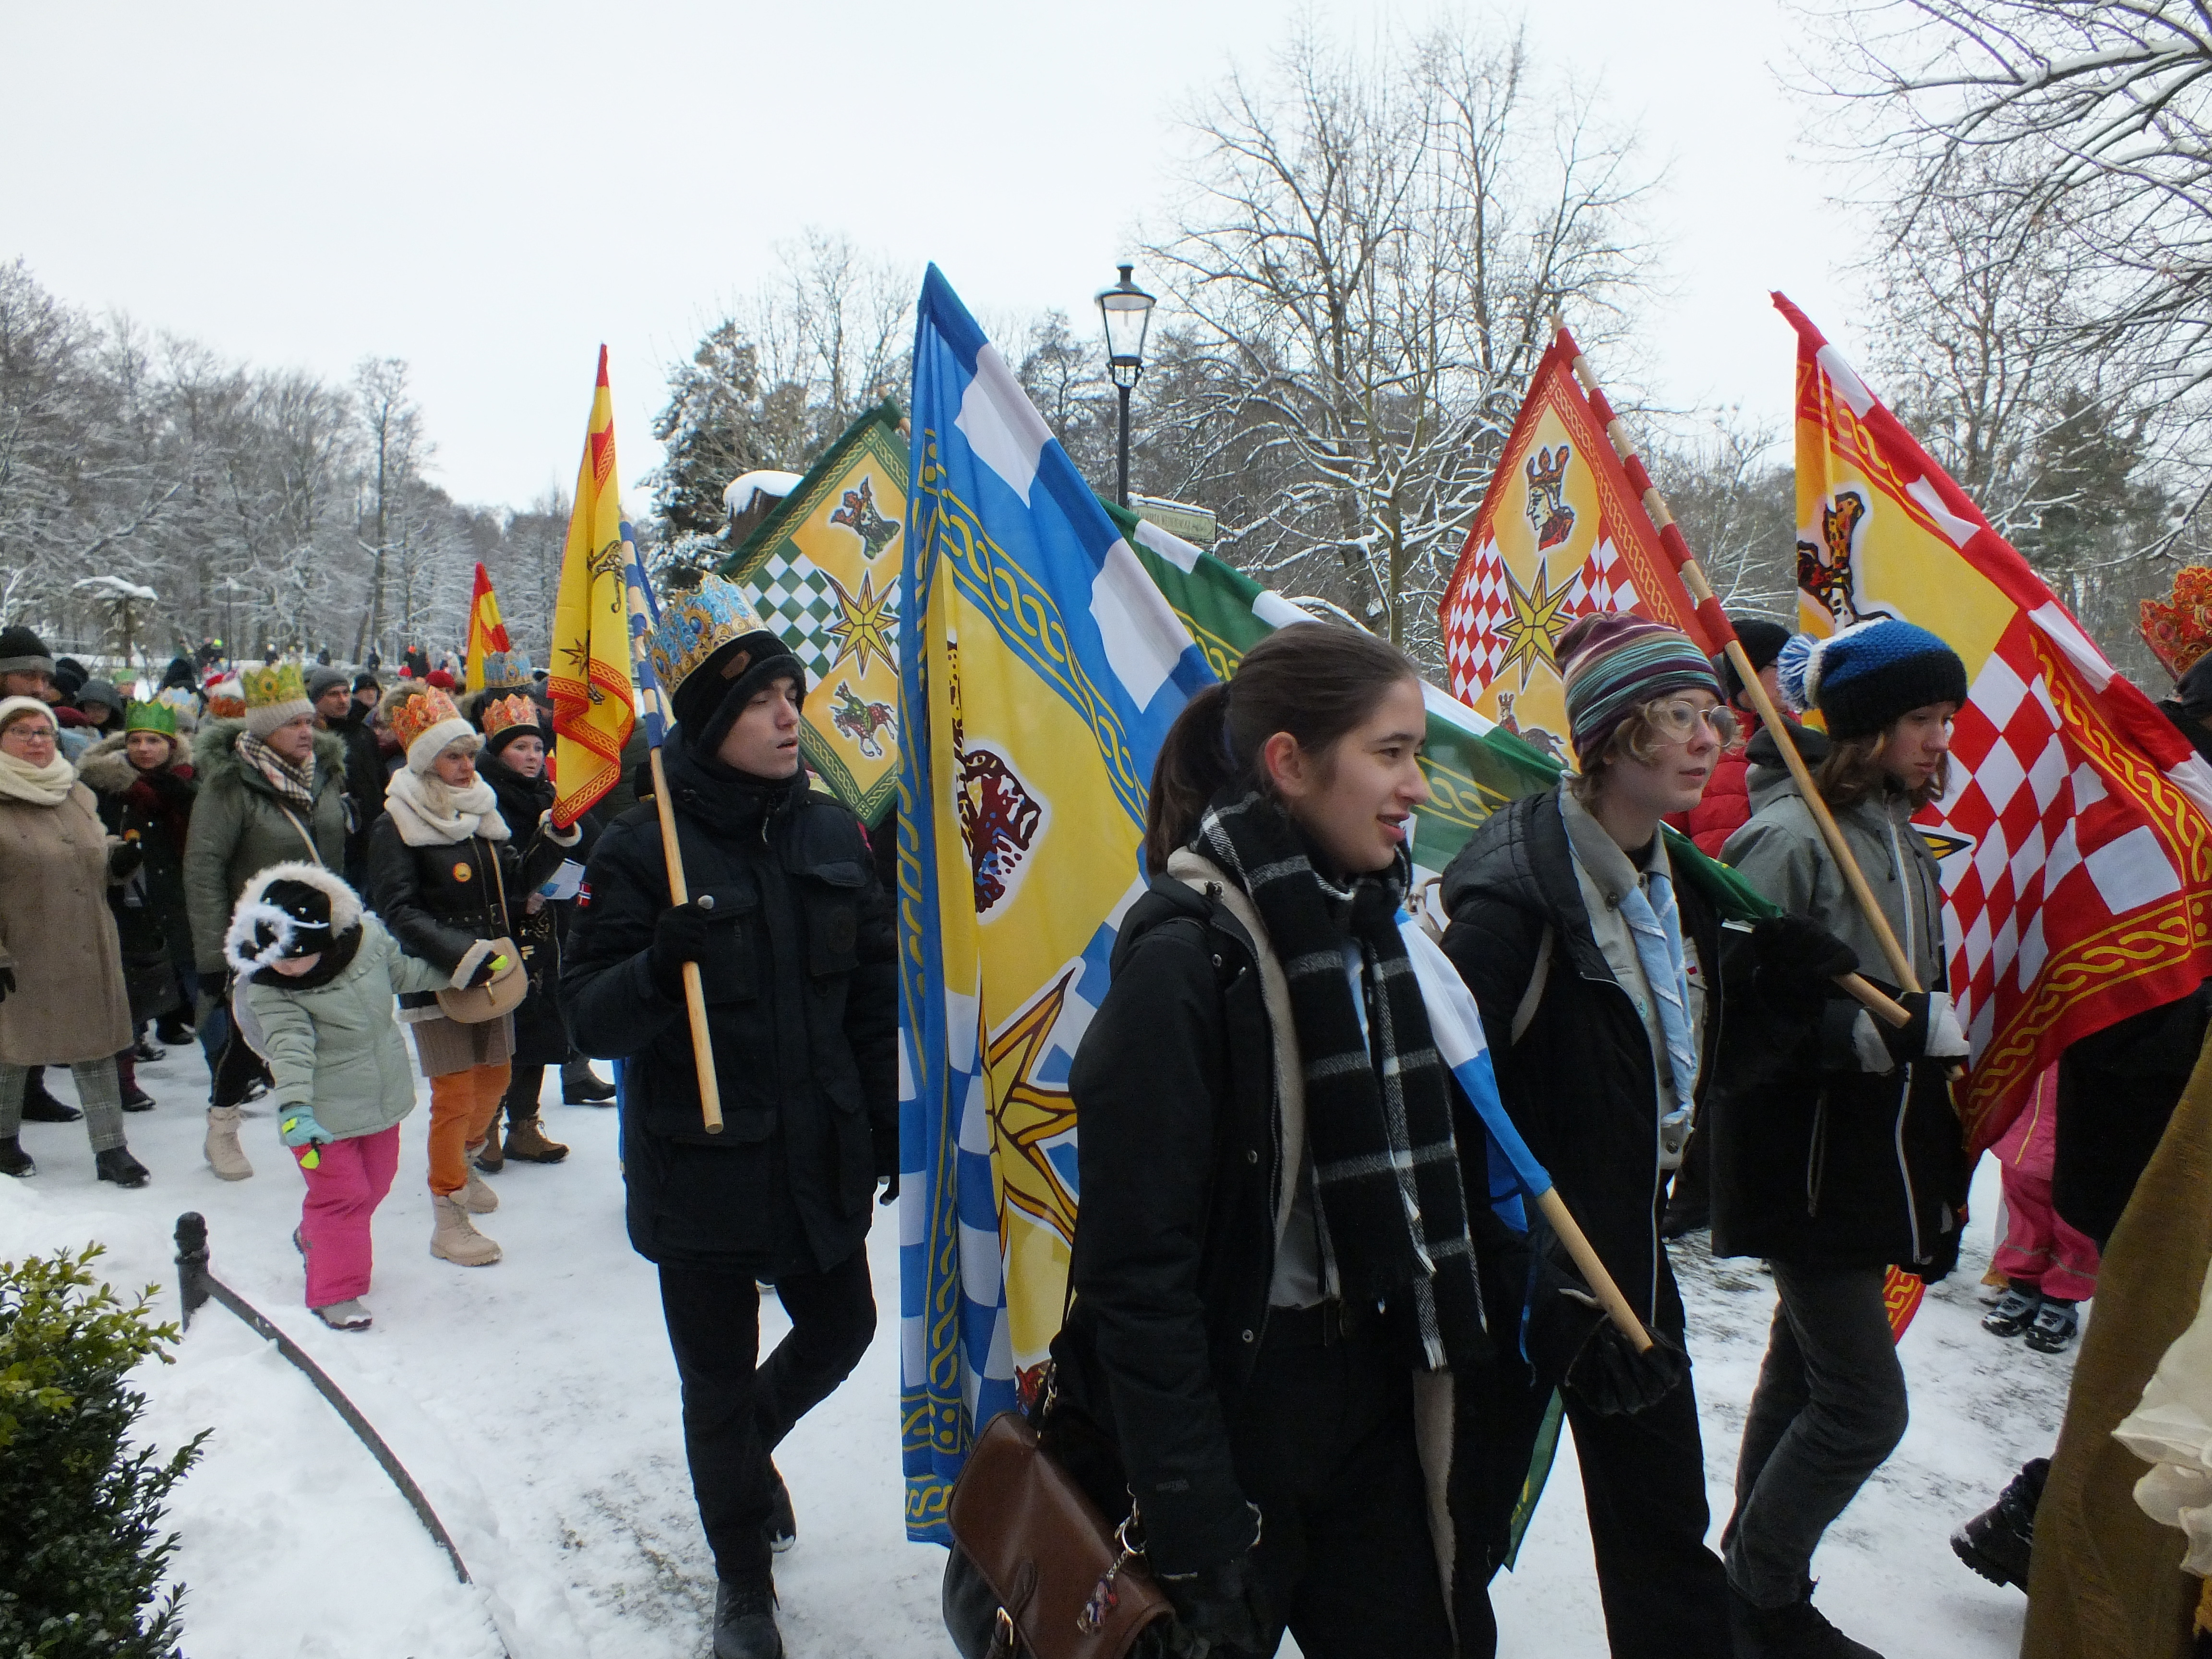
[{"x": 57, "y": 936}]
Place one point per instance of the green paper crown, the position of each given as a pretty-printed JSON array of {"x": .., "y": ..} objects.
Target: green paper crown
[
  {"x": 278, "y": 683},
  {"x": 151, "y": 717}
]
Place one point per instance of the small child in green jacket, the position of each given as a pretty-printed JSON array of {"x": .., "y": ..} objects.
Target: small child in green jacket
[{"x": 316, "y": 979}]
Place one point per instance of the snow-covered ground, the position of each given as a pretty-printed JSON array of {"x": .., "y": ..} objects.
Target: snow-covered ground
[{"x": 536, "y": 1403}]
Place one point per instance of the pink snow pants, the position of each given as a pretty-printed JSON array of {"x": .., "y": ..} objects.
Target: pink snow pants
[
  {"x": 343, "y": 1190},
  {"x": 2039, "y": 1249}
]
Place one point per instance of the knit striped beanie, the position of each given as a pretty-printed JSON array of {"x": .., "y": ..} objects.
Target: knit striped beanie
[{"x": 1612, "y": 662}]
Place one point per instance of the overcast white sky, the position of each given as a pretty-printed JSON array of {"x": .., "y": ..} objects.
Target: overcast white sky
[{"x": 489, "y": 192}]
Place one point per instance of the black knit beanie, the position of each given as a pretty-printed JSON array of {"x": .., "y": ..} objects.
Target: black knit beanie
[
  {"x": 22, "y": 651},
  {"x": 1762, "y": 642},
  {"x": 705, "y": 719}
]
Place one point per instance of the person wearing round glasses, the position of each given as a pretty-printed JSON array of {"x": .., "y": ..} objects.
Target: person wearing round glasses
[{"x": 62, "y": 1001}]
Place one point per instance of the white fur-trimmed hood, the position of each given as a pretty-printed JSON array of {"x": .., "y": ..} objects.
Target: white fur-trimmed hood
[{"x": 253, "y": 904}]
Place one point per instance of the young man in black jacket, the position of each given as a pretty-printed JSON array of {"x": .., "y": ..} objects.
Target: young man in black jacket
[{"x": 794, "y": 940}]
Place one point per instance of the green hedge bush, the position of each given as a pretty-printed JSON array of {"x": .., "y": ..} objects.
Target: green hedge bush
[{"x": 81, "y": 1562}]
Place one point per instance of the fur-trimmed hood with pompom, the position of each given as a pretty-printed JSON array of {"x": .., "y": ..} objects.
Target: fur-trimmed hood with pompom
[{"x": 252, "y": 908}]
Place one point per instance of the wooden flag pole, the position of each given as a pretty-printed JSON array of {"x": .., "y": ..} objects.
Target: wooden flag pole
[
  {"x": 694, "y": 990},
  {"x": 1593, "y": 1274},
  {"x": 1717, "y": 626}
]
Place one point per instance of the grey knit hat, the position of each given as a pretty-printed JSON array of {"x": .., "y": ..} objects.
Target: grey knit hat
[{"x": 320, "y": 680}]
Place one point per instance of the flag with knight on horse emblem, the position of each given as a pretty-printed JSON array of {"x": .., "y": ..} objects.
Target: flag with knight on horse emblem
[{"x": 823, "y": 570}]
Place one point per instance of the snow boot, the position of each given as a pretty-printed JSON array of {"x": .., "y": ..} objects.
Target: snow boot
[
  {"x": 454, "y": 1240},
  {"x": 115, "y": 1164},
  {"x": 2056, "y": 1322},
  {"x": 527, "y": 1140},
  {"x": 40, "y": 1105},
  {"x": 1795, "y": 1631},
  {"x": 173, "y": 1029},
  {"x": 1996, "y": 1542},
  {"x": 14, "y": 1160},
  {"x": 223, "y": 1155},
  {"x": 782, "y": 1520},
  {"x": 478, "y": 1197},
  {"x": 581, "y": 1086},
  {"x": 347, "y": 1315},
  {"x": 745, "y": 1620},
  {"x": 2014, "y": 1312},
  {"x": 486, "y": 1155}
]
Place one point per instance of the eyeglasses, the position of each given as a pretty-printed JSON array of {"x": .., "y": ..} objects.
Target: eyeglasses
[
  {"x": 23, "y": 732},
  {"x": 1677, "y": 719}
]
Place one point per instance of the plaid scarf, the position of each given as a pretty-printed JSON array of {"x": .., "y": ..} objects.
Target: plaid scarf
[
  {"x": 295, "y": 784},
  {"x": 1378, "y": 1104}
]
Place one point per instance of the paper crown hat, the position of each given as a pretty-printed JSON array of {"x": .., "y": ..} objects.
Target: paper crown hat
[
  {"x": 503, "y": 715},
  {"x": 2179, "y": 630},
  {"x": 418, "y": 714},
  {"x": 506, "y": 668},
  {"x": 694, "y": 630},
  {"x": 151, "y": 717},
  {"x": 280, "y": 682},
  {"x": 226, "y": 701}
]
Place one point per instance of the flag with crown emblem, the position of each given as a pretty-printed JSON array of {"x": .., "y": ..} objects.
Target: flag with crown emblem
[
  {"x": 1560, "y": 534},
  {"x": 589, "y": 677},
  {"x": 2075, "y": 838},
  {"x": 823, "y": 569}
]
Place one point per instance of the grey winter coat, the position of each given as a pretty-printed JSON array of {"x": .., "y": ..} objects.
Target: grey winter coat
[
  {"x": 335, "y": 1047},
  {"x": 240, "y": 829}
]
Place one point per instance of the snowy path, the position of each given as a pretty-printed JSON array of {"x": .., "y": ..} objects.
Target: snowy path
[{"x": 535, "y": 1402}]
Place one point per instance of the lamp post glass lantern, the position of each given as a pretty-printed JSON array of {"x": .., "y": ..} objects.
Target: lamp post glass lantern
[{"x": 1127, "y": 312}]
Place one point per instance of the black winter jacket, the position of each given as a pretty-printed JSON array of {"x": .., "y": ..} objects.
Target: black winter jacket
[
  {"x": 439, "y": 900},
  {"x": 541, "y": 1035},
  {"x": 802, "y": 1009},
  {"x": 1581, "y": 1085},
  {"x": 365, "y": 778}
]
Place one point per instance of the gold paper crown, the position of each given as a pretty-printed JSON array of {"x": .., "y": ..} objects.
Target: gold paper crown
[
  {"x": 694, "y": 627},
  {"x": 278, "y": 683},
  {"x": 416, "y": 715},
  {"x": 505, "y": 713},
  {"x": 2179, "y": 631}
]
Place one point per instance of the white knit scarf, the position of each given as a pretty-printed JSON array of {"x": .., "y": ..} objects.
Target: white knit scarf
[
  {"x": 39, "y": 786},
  {"x": 430, "y": 814}
]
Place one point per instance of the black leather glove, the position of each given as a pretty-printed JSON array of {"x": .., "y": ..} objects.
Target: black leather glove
[
  {"x": 1221, "y": 1606},
  {"x": 1909, "y": 1042},
  {"x": 1798, "y": 956},
  {"x": 124, "y": 859},
  {"x": 7, "y": 982},
  {"x": 1613, "y": 1380},
  {"x": 678, "y": 936}
]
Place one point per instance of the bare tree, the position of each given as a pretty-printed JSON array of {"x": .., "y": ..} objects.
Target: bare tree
[
  {"x": 1728, "y": 483},
  {"x": 1365, "y": 267}
]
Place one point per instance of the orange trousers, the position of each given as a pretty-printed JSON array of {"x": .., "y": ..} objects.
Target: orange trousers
[{"x": 462, "y": 1106}]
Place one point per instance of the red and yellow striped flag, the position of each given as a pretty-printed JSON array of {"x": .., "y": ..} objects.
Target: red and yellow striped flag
[
  {"x": 589, "y": 675},
  {"x": 487, "y": 633}
]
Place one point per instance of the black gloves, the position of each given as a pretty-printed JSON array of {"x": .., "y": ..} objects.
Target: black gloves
[
  {"x": 678, "y": 936},
  {"x": 124, "y": 858},
  {"x": 885, "y": 1137},
  {"x": 1613, "y": 1379},
  {"x": 7, "y": 982},
  {"x": 1572, "y": 1342},
  {"x": 1221, "y": 1606},
  {"x": 486, "y": 971},
  {"x": 1797, "y": 958}
]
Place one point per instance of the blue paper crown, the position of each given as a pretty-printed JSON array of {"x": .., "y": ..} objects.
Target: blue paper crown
[
  {"x": 694, "y": 627},
  {"x": 506, "y": 668}
]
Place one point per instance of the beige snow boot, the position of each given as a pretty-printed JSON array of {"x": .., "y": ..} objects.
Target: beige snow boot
[
  {"x": 454, "y": 1239},
  {"x": 223, "y": 1155},
  {"x": 478, "y": 1197}
]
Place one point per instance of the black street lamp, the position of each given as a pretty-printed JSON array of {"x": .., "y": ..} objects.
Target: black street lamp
[{"x": 1127, "y": 310}]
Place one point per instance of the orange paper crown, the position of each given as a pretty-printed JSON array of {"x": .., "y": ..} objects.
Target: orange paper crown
[
  {"x": 412, "y": 717},
  {"x": 507, "y": 713},
  {"x": 2179, "y": 630}
]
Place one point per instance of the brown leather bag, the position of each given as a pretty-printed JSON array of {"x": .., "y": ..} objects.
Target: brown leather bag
[{"x": 1069, "y": 1585}]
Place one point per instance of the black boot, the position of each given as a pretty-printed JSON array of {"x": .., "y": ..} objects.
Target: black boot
[
  {"x": 115, "y": 1164},
  {"x": 782, "y": 1520},
  {"x": 1995, "y": 1543},
  {"x": 173, "y": 1029},
  {"x": 14, "y": 1160},
  {"x": 136, "y": 1099},
  {"x": 745, "y": 1620},
  {"x": 39, "y": 1104},
  {"x": 1793, "y": 1631},
  {"x": 581, "y": 1086}
]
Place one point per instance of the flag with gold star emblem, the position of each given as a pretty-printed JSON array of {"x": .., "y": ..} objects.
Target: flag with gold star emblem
[
  {"x": 1560, "y": 534},
  {"x": 822, "y": 568}
]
